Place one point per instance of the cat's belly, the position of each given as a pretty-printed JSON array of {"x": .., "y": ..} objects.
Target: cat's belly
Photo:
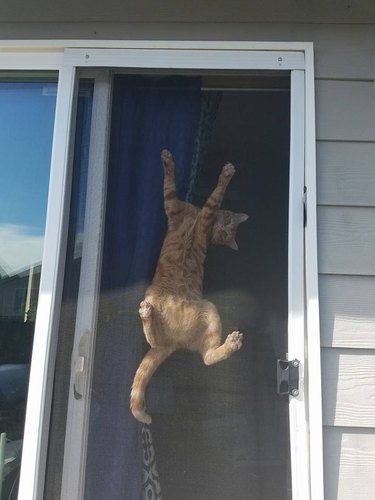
[{"x": 176, "y": 321}]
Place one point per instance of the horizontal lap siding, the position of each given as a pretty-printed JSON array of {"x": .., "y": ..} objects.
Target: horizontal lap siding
[
  {"x": 349, "y": 387},
  {"x": 345, "y": 116},
  {"x": 346, "y": 173},
  {"x": 346, "y": 240},
  {"x": 188, "y": 12},
  {"x": 349, "y": 463},
  {"x": 345, "y": 110},
  {"x": 347, "y": 311}
]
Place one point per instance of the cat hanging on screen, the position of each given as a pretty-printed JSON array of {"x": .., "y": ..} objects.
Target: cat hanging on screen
[{"x": 173, "y": 313}]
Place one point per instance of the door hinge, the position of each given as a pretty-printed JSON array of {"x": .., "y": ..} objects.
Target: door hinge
[
  {"x": 305, "y": 206},
  {"x": 288, "y": 377}
]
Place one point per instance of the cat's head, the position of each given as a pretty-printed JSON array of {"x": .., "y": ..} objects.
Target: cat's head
[{"x": 225, "y": 228}]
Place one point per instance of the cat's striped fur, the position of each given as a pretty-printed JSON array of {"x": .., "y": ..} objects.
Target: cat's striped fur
[{"x": 173, "y": 313}]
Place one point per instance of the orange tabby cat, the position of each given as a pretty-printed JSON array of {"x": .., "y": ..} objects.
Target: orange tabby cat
[{"x": 173, "y": 313}]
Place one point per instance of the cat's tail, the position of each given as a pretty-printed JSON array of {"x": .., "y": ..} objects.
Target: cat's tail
[{"x": 152, "y": 360}]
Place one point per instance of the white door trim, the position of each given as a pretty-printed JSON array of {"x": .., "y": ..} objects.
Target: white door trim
[
  {"x": 296, "y": 299},
  {"x": 314, "y": 386},
  {"x": 87, "y": 307},
  {"x": 185, "y": 59},
  {"x": 42, "y": 363}
]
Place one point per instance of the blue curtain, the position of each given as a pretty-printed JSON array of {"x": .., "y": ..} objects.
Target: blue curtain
[{"x": 148, "y": 115}]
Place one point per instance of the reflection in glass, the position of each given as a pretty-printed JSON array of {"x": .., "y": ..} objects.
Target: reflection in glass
[
  {"x": 70, "y": 290},
  {"x": 27, "y": 111}
]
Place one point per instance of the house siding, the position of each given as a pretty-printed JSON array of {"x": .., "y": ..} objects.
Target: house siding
[
  {"x": 345, "y": 133},
  {"x": 345, "y": 107},
  {"x": 346, "y": 251}
]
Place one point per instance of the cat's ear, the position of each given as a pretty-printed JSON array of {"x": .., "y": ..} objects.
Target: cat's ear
[
  {"x": 238, "y": 218},
  {"x": 241, "y": 218},
  {"x": 232, "y": 244}
]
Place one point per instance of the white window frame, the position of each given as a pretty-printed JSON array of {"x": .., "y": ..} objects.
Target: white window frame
[{"x": 304, "y": 338}]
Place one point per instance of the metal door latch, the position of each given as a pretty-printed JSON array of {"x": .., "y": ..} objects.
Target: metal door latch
[{"x": 288, "y": 377}]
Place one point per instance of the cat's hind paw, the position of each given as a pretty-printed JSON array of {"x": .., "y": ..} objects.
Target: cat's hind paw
[
  {"x": 234, "y": 341},
  {"x": 145, "y": 310}
]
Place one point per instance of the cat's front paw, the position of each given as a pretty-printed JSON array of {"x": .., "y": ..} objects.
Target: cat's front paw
[
  {"x": 145, "y": 310},
  {"x": 234, "y": 341},
  {"x": 228, "y": 170},
  {"x": 166, "y": 155},
  {"x": 167, "y": 160}
]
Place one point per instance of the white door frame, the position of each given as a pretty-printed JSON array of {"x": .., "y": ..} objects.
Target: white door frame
[
  {"x": 88, "y": 294},
  {"x": 307, "y": 473},
  {"x": 15, "y": 56}
]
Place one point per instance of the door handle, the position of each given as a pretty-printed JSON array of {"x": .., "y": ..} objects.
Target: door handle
[{"x": 80, "y": 368}]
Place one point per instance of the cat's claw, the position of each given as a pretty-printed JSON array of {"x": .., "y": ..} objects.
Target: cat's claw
[
  {"x": 228, "y": 170},
  {"x": 145, "y": 310},
  {"x": 234, "y": 341}
]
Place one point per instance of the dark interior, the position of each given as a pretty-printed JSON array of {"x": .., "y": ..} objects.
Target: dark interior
[{"x": 222, "y": 432}]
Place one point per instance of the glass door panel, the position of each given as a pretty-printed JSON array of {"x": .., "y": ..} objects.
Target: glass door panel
[
  {"x": 27, "y": 109},
  {"x": 68, "y": 312},
  {"x": 218, "y": 432}
]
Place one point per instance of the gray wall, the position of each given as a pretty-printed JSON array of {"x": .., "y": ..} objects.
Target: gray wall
[
  {"x": 345, "y": 107},
  {"x": 194, "y": 11}
]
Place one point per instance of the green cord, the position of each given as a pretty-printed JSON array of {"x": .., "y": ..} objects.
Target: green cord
[{"x": 3, "y": 440}]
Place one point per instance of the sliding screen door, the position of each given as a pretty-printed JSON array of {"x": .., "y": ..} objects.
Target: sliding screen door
[{"x": 221, "y": 431}]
